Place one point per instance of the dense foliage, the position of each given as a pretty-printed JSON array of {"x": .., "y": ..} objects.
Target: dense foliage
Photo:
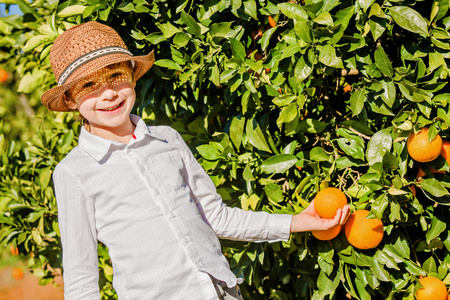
[{"x": 278, "y": 100}]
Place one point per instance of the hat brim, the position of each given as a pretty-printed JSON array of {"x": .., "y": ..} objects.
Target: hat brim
[{"x": 53, "y": 99}]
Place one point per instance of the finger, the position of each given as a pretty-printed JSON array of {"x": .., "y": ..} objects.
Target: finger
[
  {"x": 345, "y": 214},
  {"x": 335, "y": 221}
]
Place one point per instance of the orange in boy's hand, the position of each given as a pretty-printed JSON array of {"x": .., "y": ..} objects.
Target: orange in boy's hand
[
  {"x": 326, "y": 235},
  {"x": 328, "y": 201},
  {"x": 420, "y": 149},
  {"x": 433, "y": 289}
]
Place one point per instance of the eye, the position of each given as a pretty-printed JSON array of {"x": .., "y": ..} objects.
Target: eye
[
  {"x": 88, "y": 85},
  {"x": 115, "y": 75}
]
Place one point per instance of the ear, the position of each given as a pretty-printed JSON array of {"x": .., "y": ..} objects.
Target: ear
[{"x": 69, "y": 102}]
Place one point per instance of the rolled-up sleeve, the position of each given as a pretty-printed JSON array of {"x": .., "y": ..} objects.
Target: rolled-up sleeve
[
  {"x": 78, "y": 237},
  {"x": 227, "y": 222}
]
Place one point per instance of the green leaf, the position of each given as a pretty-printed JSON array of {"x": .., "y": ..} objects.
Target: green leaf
[
  {"x": 414, "y": 269},
  {"x": 293, "y": 11},
  {"x": 256, "y": 136},
  {"x": 168, "y": 30},
  {"x": 328, "y": 285},
  {"x": 237, "y": 130},
  {"x": 437, "y": 227},
  {"x": 365, "y": 4},
  {"x": 303, "y": 70},
  {"x": 378, "y": 145},
  {"x": 389, "y": 92},
  {"x": 288, "y": 113},
  {"x": 439, "y": 9},
  {"x": 31, "y": 81},
  {"x": 249, "y": 202},
  {"x": 324, "y": 18},
  {"x": 390, "y": 162},
  {"x": 318, "y": 154},
  {"x": 303, "y": 30},
  {"x": 357, "y": 100},
  {"x": 327, "y": 56},
  {"x": 251, "y": 9},
  {"x": 379, "y": 271},
  {"x": 312, "y": 126},
  {"x": 266, "y": 37},
  {"x": 220, "y": 29},
  {"x": 351, "y": 144},
  {"x": 383, "y": 63},
  {"x": 238, "y": 49},
  {"x": 36, "y": 41},
  {"x": 430, "y": 265},
  {"x": 192, "y": 26},
  {"x": 247, "y": 173},
  {"x": 181, "y": 39},
  {"x": 434, "y": 187},
  {"x": 279, "y": 163},
  {"x": 274, "y": 193},
  {"x": 169, "y": 64},
  {"x": 208, "y": 152},
  {"x": 126, "y": 6},
  {"x": 376, "y": 28},
  {"x": 409, "y": 19},
  {"x": 236, "y": 4},
  {"x": 71, "y": 10}
]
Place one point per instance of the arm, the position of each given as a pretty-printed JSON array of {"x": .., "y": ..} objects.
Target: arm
[
  {"x": 229, "y": 223},
  {"x": 78, "y": 237}
]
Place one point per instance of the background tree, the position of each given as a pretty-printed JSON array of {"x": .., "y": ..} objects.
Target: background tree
[{"x": 278, "y": 100}]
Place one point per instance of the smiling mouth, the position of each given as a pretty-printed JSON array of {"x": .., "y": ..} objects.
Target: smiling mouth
[{"x": 114, "y": 107}]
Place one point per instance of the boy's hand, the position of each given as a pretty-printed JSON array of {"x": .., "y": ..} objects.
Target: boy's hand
[{"x": 309, "y": 220}]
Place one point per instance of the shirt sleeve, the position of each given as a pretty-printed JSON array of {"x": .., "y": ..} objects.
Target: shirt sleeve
[
  {"x": 78, "y": 237},
  {"x": 227, "y": 222}
]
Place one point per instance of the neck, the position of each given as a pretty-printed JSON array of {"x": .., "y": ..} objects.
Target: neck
[{"x": 121, "y": 134}]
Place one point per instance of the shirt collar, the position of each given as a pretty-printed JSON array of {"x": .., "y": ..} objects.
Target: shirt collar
[{"x": 99, "y": 147}]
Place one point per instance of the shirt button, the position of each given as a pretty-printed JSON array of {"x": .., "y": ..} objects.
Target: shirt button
[{"x": 172, "y": 215}]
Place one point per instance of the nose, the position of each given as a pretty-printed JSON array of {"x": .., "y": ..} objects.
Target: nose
[{"x": 108, "y": 94}]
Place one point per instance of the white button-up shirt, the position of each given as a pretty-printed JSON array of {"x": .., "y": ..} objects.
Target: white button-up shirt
[{"x": 155, "y": 208}]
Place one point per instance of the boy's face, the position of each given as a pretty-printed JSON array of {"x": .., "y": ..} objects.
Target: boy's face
[{"x": 105, "y": 98}]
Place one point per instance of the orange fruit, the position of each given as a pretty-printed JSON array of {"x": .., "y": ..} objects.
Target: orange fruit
[
  {"x": 420, "y": 149},
  {"x": 363, "y": 233},
  {"x": 258, "y": 56},
  {"x": 433, "y": 289},
  {"x": 272, "y": 22},
  {"x": 326, "y": 235},
  {"x": 413, "y": 189},
  {"x": 347, "y": 88},
  {"x": 421, "y": 173},
  {"x": 14, "y": 250},
  {"x": 328, "y": 201},
  {"x": 3, "y": 75},
  {"x": 257, "y": 34},
  {"x": 445, "y": 152},
  {"x": 17, "y": 273}
]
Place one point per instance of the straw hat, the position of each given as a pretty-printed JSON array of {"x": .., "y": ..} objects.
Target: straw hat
[{"x": 83, "y": 49}]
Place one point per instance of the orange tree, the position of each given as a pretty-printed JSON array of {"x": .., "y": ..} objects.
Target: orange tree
[{"x": 278, "y": 100}]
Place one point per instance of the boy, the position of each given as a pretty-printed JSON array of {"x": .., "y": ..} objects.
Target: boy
[{"x": 139, "y": 189}]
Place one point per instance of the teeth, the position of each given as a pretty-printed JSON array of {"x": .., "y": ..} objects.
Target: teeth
[{"x": 112, "y": 108}]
